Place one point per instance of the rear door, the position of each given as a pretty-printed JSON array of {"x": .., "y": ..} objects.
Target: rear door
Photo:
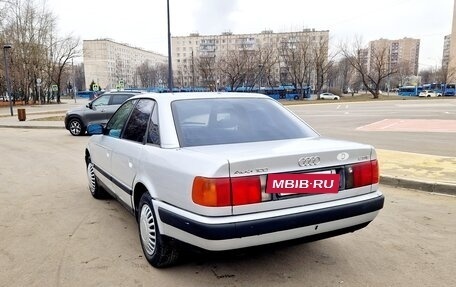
[{"x": 99, "y": 110}]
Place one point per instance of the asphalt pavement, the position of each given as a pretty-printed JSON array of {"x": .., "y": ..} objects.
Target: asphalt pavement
[{"x": 402, "y": 169}]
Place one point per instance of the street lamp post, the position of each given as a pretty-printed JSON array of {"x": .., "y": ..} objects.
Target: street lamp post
[
  {"x": 8, "y": 84},
  {"x": 170, "y": 67}
]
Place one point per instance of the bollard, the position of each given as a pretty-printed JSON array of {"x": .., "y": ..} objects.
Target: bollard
[{"x": 21, "y": 114}]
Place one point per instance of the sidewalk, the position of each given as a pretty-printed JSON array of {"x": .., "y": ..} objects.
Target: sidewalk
[
  {"x": 35, "y": 112},
  {"x": 418, "y": 171},
  {"x": 409, "y": 170}
]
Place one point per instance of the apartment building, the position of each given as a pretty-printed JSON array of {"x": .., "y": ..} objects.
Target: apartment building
[
  {"x": 108, "y": 63},
  {"x": 452, "y": 59},
  {"x": 186, "y": 50},
  {"x": 446, "y": 51},
  {"x": 402, "y": 55}
]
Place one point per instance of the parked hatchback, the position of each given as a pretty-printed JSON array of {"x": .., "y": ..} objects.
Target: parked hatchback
[
  {"x": 329, "y": 96},
  {"x": 226, "y": 171},
  {"x": 429, "y": 94},
  {"x": 97, "y": 111}
]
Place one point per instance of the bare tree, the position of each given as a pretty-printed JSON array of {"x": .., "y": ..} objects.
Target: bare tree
[
  {"x": 78, "y": 77},
  {"x": 64, "y": 50},
  {"x": 237, "y": 67},
  {"x": 206, "y": 67},
  {"x": 146, "y": 74},
  {"x": 342, "y": 73},
  {"x": 267, "y": 61},
  {"x": 322, "y": 62},
  {"x": 36, "y": 54},
  {"x": 296, "y": 56},
  {"x": 26, "y": 26},
  {"x": 431, "y": 75},
  {"x": 373, "y": 69}
]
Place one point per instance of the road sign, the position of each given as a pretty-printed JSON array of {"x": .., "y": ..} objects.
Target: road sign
[{"x": 55, "y": 88}]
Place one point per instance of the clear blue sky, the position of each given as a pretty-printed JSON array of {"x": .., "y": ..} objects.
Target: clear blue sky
[{"x": 142, "y": 23}]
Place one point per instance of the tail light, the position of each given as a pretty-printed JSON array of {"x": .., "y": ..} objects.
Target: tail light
[
  {"x": 217, "y": 192},
  {"x": 361, "y": 174}
]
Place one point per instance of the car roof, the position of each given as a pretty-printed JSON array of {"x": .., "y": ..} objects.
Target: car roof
[
  {"x": 169, "y": 97},
  {"x": 123, "y": 92}
]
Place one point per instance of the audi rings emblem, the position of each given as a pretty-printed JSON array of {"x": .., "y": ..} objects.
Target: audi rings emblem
[{"x": 309, "y": 161}]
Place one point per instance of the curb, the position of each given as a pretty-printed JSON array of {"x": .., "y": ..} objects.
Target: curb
[
  {"x": 432, "y": 187},
  {"x": 30, "y": 127}
]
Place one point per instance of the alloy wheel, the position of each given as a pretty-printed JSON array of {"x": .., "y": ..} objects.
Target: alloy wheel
[{"x": 75, "y": 127}]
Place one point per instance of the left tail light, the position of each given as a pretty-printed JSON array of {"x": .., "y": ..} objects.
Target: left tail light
[{"x": 217, "y": 192}]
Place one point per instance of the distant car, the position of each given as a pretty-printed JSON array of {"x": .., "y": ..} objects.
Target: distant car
[
  {"x": 429, "y": 93},
  {"x": 224, "y": 171},
  {"x": 97, "y": 111},
  {"x": 329, "y": 96}
]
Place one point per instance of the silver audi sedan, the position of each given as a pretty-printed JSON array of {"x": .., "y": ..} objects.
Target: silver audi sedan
[{"x": 223, "y": 171}]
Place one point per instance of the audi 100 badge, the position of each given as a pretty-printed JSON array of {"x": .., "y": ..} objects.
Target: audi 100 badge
[{"x": 309, "y": 161}]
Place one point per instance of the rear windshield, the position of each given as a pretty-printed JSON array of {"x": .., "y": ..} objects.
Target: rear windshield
[{"x": 239, "y": 120}]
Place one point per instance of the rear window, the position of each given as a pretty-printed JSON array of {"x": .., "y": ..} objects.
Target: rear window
[
  {"x": 119, "y": 99},
  {"x": 227, "y": 120}
]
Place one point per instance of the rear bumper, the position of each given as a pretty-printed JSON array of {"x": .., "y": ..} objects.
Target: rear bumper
[{"x": 230, "y": 235}]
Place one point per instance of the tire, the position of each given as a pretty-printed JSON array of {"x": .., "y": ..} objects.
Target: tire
[
  {"x": 296, "y": 98},
  {"x": 158, "y": 250},
  {"x": 96, "y": 191},
  {"x": 75, "y": 127}
]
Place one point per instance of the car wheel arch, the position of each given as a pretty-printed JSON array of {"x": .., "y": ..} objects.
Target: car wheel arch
[
  {"x": 138, "y": 191},
  {"x": 87, "y": 157}
]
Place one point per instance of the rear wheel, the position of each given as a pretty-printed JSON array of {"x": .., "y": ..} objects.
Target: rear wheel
[
  {"x": 76, "y": 128},
  {"x": 159, "y": 250}
]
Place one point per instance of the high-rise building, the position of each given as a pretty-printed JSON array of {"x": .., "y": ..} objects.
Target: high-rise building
[
  {"x": 446, "y": 51},
  {"x": 186, "y": 50},
  {"x": 109, "y": 64},
  {"x": 451, "y": 77},
  {"x": 402, "y": 55}
]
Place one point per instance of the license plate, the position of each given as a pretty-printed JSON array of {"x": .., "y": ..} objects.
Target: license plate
[{"x": 293, "y": 183}]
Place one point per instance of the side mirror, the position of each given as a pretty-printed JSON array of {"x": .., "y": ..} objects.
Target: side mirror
[
  {"x": 95, "y": 129},
  {"x": 89, "y": 105}
]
